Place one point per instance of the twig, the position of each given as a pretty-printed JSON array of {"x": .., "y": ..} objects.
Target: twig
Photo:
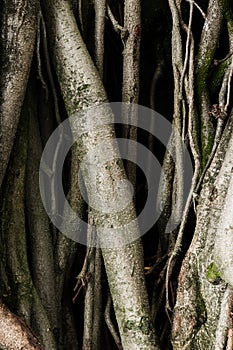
[
  {"x": 192, "y": 131},
  {"x": 177, "y": 248},
  {"x": 109, "y": 323},
  {"x": 198, "y": 7},
  {"x": 229, "y": 86},
  {"x": 83, "y": 275},
  {"x": 116, "y": 26},
  {"x": 189, "y": 88},
  {"x": 187, "y": 47}
]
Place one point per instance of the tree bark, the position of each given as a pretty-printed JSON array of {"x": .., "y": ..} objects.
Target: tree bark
[
  {"x": 78, "y": 79},
  {"x": 207, "y": 47},
  {"x": 14, "y": 333},
  {"x": 202, "y": 315},
  {"x": 17, "y": 45},
  {"x": 130, "y": 83}
]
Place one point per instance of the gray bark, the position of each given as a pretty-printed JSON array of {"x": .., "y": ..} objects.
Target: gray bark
[
  {"x": 100, "y": 9},
  {"x": 130, "y": 84},
  {"x": 207, "y": 47},
  {"x": 202, "y": 311},
  {"x": 82, "y": 88},
  {"x": 17, "y": 45}
]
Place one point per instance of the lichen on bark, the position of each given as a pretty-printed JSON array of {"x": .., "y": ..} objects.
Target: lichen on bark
[{"x": 195, "y": 284}]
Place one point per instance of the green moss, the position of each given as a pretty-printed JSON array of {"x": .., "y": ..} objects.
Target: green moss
[
  {"x": 201, "y": 311},
  {"x": 212, "y": 274},
  {"x": 202, "y": 80},
  {"x": 145, "y": 325},
  {"x": 206, "y": 151},
  {"x": 217, "y": 76},
  {"x": 202, "y": 73},
  {"x": 129, "y": 325}
]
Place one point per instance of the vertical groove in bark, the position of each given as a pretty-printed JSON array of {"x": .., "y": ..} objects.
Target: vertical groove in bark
[{"x": 17, "y": 45}]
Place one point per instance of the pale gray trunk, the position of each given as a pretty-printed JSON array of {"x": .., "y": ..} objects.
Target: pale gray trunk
[
  {"x": 202, "y": 315},
  {"x": 82, "y": 88}
]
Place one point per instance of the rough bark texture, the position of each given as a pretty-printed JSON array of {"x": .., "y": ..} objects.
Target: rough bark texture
[
  {"x": 130, "y": 83},
  {"x": 82, "y": 88},
  {"x": 17, "y": 45},
  {"x": 202, "y": 312},
  {"x": 14, "y": 334},
  {"x": 185, "y": 50},
  {"x": 131, "y": 53},
  {"x": 100, "y": 9},
  {"x": 207, "y": 47}
]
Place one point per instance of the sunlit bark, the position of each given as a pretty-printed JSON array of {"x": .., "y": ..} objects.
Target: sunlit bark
[{"x": 78, "y": 78}]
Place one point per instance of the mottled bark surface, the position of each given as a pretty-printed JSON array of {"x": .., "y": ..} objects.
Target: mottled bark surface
[
  {"x": 175, "y": 57},
  {"x": 202, "y": 315},
  {"x": 19, "y": 23},
  {"x": 78, "y": 79},
  {"x": 207, "y": 48},
  {"x": 14, "y": 334}
]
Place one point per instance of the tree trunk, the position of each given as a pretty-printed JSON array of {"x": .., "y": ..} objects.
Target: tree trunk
[
  {"x": 78, "y": 78},
  {"x": 17, "y": 44},
  {"x": 202, "y": 315},
  {"x": 69, "y": 59}
]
